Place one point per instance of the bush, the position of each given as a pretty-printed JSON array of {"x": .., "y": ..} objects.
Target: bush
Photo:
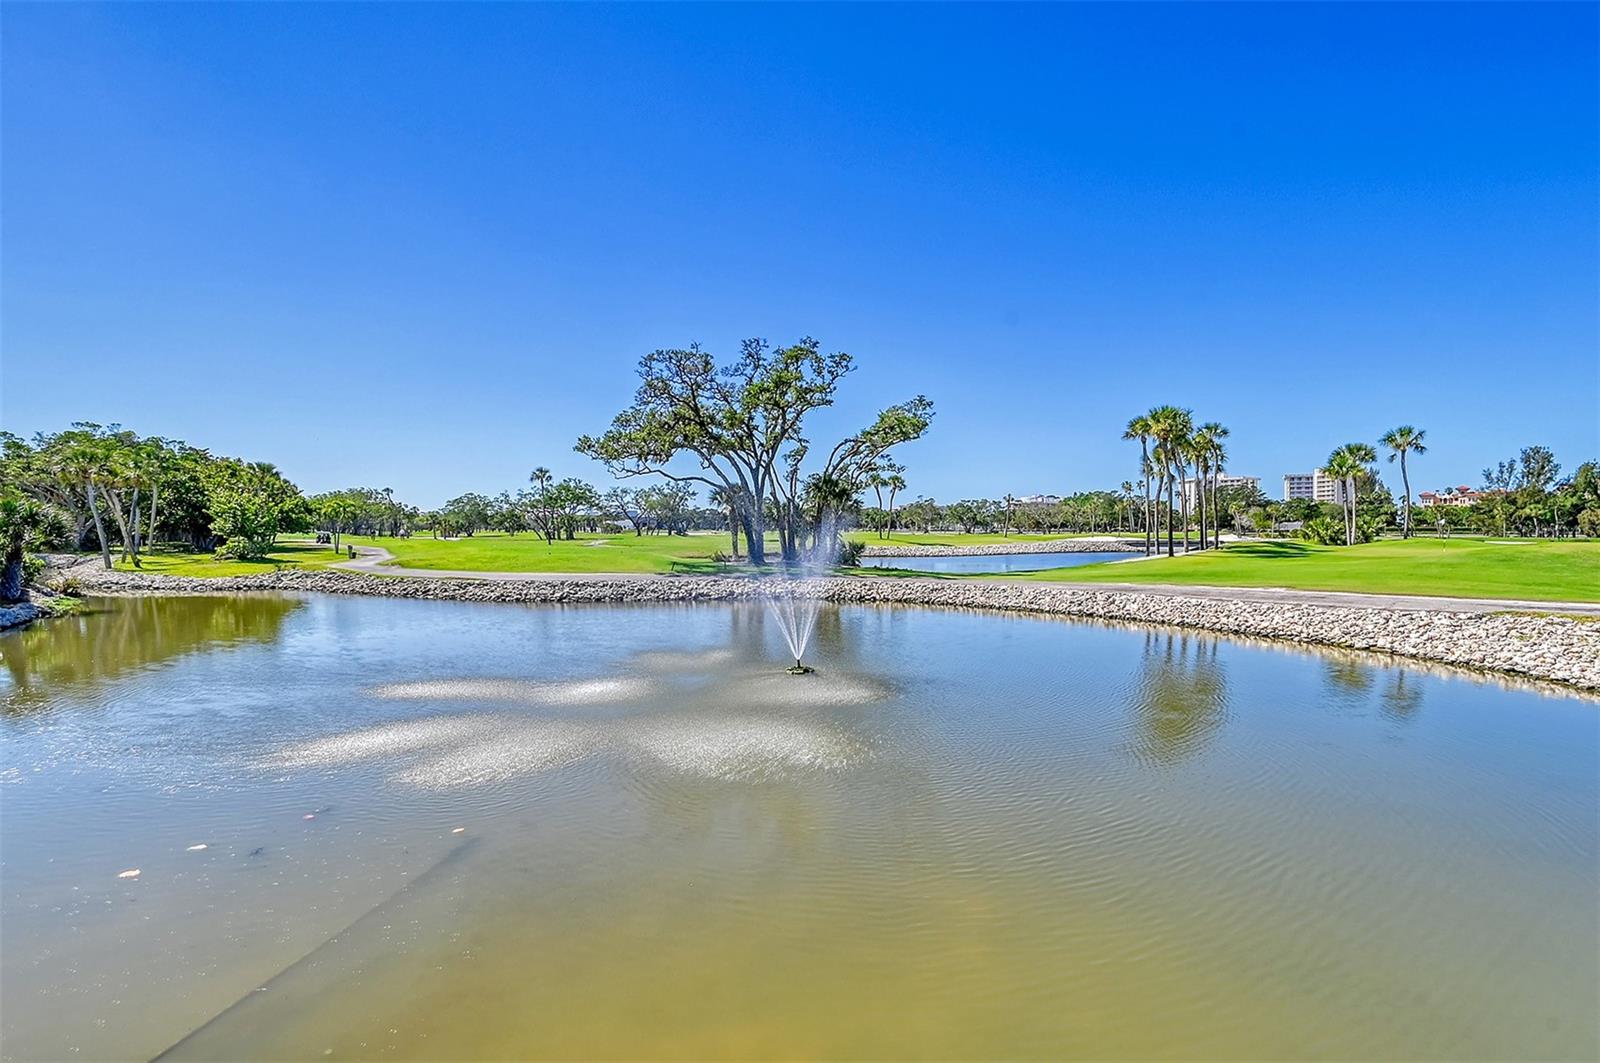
[
  {"x": 1328, "y": 531},
  {"x": 32, "y": 569},
  {"x": 1589, "y": 523},
  {"x": 850, "y": 552},
  {"x": 67, "y": 586}
]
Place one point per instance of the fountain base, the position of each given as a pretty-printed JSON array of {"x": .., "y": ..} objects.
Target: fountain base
[{"x": 799, "y": 669}]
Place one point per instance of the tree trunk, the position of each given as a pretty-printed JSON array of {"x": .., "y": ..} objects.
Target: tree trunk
[
  {"x": 122, "y": 523},
  {"x": 1183, "y": 508},
  {"x": 755, "y": 537},
  {"x": 155, "y": 495},
  {"x": 1405, "y": 480},
  {"x": 99, "y": 525},
  {"x": 1171, "y": 531},
  {"x": 11, "y": 577},
  {"x": 133, "y": 520}
]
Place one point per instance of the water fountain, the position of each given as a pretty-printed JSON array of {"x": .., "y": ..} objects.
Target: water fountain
[{"x": 797, "y": 619}]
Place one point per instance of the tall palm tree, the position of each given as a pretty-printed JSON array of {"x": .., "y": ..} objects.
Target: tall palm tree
[
  {"x": 1217, "y": 458},
  {"x": 895, "y": 483},
  {"x": 1200, "y": 453},
  {"x": 1347, "y": 464},
  {"x": 1139, "y": 428},
  {"x": 86, "y": 460},
  {"x": 1170, "y": 428},
  {"x": 1399, "y": 441},
  {"x": 1127, "y": 502}
]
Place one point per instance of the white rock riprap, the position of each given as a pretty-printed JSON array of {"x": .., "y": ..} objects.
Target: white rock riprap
[
  {"x": 1045, "y": 546},
  {"x": 1553, "y": 648}
]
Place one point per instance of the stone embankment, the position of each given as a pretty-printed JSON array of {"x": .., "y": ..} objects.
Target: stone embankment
[
  {"x": 1031, "y": 546},
  {"x": 1553, "y": 648}
]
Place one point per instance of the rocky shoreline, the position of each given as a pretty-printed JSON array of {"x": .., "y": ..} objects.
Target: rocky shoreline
[
  {"x": 1032, "y": 546},
  {"x": 1549, "y": 648}
]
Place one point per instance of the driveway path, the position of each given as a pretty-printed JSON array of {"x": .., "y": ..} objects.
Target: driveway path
[{"x": 374, "y": 559}]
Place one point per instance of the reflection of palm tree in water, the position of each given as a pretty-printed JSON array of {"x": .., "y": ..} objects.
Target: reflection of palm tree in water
[
  {"x": 1349, "y": 675},
  {"x": 1183, "y": 696},
  {"x": 1402, "y": 697}
]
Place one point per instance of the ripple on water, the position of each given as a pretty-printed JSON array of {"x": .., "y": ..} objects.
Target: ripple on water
[{"x": 597, "y": 691}]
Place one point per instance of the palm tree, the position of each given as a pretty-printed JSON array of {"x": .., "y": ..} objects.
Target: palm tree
[
  {"x": 1139, "y": 428},
  {"x": 1010, "y": 501},
  {"x": 1127, "y": 502},
  {"x": 1170, "y": 428},
  {"x": 1347, "y": 464},
  {"x": 85, "y": 460},
  {"x": 1217, "y": 458},
  {"x": 1398, "y": 441},
  {"x": 895, "y": 483},
  {"x": 1200, "y": 451}
]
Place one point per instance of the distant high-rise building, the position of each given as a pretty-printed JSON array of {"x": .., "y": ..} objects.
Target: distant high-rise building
[
  {"x": 1317, "y": 486},
  {"x": 1222, "y": 481}
]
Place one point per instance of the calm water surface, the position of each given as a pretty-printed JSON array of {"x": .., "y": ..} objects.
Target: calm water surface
[
  {"x": 972, "y": 563},
  {"x": 440, "y": 830}
]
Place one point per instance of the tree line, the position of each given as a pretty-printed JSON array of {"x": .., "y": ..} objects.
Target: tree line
[{"x": 105, "y": 487}]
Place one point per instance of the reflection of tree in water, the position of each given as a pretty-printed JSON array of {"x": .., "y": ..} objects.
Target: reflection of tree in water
[
  {"x": 1183, "y": 696},
  {"x": 1402, "y": 697},
  {"x": 1348, "y": 675},
  {"x": 116, "y": 635}
]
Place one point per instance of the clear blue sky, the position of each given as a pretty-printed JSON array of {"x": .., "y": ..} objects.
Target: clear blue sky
[{"x": 423, "y": 246}]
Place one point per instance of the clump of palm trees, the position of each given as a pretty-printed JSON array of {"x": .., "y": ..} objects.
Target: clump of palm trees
[{"x": 1171, "y": 447}]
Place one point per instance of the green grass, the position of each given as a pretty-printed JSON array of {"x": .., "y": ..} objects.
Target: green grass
[
  {"x": 497, "y": 552},
  {"x": 167, "y": 562},
  {"x": 1536, "y": 570}
]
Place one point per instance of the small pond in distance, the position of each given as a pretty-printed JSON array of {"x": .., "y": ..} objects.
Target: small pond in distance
[{"x": 979, "y": 563}]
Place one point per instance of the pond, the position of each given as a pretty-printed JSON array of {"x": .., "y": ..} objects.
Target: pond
[
  {"x": 977, "y": 563},
  {"x": 369, "y": 827}
]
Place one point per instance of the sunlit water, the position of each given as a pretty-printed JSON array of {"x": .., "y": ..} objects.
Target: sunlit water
[
  {"x": 439, "y": 830},
  {"x": 970, "y": 564}
]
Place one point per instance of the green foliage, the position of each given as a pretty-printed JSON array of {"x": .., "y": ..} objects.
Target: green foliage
[
  {"x": 1323, "y": 529},
  {"x": 251, "y": 505},
  {"x": 743, "y": 426}
]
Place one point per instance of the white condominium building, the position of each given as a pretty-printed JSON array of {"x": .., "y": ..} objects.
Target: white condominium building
[
  {"x": 1225, "y": 480},
  {"x": 1317, "y": 486}
]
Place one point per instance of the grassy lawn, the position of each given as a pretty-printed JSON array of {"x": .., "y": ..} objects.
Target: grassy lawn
[
  {"x": 497, "y": 552},
  {"x": 1538, "y": 570},
  {"x": 167, "y": 562}
]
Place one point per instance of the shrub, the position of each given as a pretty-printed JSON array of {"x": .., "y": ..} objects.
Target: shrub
[
  {"x": 1328, "y": 531},
  {"x": 850, "y": 552},
  {"x": 66, "y": 586}
]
